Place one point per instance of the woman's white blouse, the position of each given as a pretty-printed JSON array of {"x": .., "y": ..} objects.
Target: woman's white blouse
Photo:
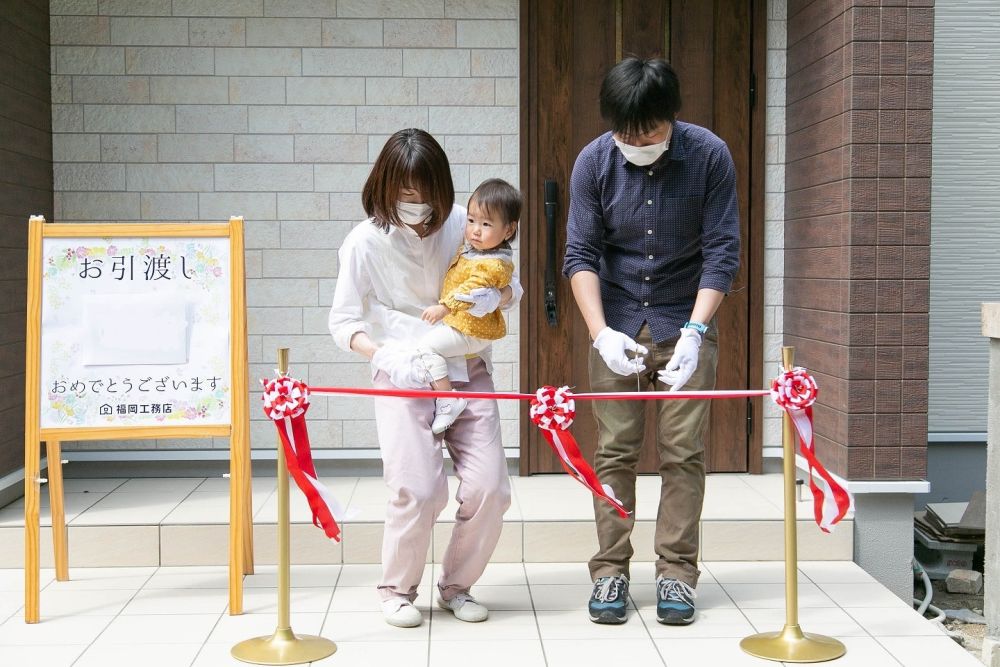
[{"x": 386, "y": 280}]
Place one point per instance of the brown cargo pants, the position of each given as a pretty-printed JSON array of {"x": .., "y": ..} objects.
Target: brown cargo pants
[{"x": 680, "y": 429}]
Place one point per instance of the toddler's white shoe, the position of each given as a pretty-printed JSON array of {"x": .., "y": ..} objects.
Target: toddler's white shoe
[
  {"x": 400, "y": 612},
  {"x": 465, "y": 608},
  {"x": 446, "y": 411}
]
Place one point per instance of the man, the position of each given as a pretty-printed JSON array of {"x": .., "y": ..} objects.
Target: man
[{"x": 652, "y": 248}]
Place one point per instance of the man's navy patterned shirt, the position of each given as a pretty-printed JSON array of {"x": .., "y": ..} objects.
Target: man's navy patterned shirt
[{"x": 655, "y": 235}]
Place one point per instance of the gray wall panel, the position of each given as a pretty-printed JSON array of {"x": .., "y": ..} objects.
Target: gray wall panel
[{"x": 965, "y": 230}]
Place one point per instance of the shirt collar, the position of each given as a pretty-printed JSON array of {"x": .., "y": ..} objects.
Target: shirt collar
[
  {"x": 675, "y": 151},
  {"x": 405, "y": 231},
  {"x": 502, "y": 251}
]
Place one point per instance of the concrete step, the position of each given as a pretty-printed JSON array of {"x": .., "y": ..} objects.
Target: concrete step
[{"x": 169, "y": 522}]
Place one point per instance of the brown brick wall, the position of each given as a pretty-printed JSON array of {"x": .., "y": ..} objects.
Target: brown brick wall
[
  {"x": 25, "y": 188},
  {"x": 857, "y": 226}
]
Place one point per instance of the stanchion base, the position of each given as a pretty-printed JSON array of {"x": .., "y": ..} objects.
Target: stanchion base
[
  {"x": 284, "y": 647},
  {"x": 793, "y": 645}
]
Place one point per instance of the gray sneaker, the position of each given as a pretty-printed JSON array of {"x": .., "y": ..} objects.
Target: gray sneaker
[
  {"x": 609, "y": 600},
  {"x": 674, "y": 602}
]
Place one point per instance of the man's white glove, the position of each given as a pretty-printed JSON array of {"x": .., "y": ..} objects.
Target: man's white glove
[
  {"x": 402, "y": 365},
  {"x": 484, "y": 300},
  {"x": 612, "y": 345},
  {"x": 682, "y": 365}
]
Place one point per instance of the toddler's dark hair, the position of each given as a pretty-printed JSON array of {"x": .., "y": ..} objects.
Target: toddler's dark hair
[{"x": 499, "y": 199}]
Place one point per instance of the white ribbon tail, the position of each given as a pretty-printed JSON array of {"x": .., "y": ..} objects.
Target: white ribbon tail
[
  {"x": 564, "y": 456},
  {"x": 611, "y": 494},
  {"x": 803, "y": 426},
  {"x": 339, "y": 512},
  {"x": 830, "y": 507},
  {"x": 569, "y": 463},
  {"x": 831, "y": 511}
]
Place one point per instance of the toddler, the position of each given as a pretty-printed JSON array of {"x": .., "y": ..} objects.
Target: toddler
[{"x": 485, "y": 259}]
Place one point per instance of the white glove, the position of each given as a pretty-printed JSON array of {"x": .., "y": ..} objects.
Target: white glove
[
  {"x": 484, "y": 300},
  {"x": 402, "y": 365},
  {"x": 682, "y": 365},
  {"x": 612, "y": 345}
]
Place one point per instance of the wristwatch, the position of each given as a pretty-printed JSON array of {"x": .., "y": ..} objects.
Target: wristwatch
[{"x": 697, "y": 326}]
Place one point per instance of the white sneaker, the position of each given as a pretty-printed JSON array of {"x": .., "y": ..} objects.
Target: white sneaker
[
  {"x": 401, "y": 613},
  {"x": 465, "y": 608},
  {"x": 446, "y": 411}
]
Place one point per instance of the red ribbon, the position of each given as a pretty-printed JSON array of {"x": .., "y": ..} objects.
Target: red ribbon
[
  {"x": 286, "y": 401},
  {"x": 553, "y": 411},
  {"x": 795, "y": 391},
  {"x": 395, "y": 392}
]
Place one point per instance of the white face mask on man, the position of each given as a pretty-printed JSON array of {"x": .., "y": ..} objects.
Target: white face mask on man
[
  {"x": 643, "y": 156},
  {"x": 412, "y": 214}
]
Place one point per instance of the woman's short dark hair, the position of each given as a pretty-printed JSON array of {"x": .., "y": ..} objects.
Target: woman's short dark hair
[
  {"x": 499, "y": 199},
  {"x": 637, "y": 95},
  {"x": 410, "y": 158}
]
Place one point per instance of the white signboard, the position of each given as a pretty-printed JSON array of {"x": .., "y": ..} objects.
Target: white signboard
[{"x": 135, "y": 332}]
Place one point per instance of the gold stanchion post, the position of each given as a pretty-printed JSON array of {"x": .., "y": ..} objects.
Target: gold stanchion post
[
  {"x": 284, "y": 647},
  {"x": 791, "y": 644}
]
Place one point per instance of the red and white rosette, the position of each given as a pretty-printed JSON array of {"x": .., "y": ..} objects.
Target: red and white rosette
[
  {"x": 553, "y": 411},
  {"x": 795, "y": 391},
  {"x": 285, "y": 397},
  {"x": 286, "y": 401}
]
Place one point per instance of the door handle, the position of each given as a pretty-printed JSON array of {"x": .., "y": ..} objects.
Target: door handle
[{"x": 551, "y": 205}]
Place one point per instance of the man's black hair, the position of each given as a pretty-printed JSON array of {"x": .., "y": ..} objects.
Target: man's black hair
[{"x": 637, "y": 95}]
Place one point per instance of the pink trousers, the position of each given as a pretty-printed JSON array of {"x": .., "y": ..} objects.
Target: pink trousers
[{"x": 413, "y": 465}]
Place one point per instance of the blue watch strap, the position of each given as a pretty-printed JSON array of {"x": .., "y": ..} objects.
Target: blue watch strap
[{"x": 697, "y": 326}]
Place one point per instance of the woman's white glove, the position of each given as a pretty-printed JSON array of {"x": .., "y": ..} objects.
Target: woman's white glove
[
  {"x": 484, "y": 300},
  {"x": 612, "y": 345},
  {"x": 402, "y": 365},
  {"x": 683, "y": 363}
]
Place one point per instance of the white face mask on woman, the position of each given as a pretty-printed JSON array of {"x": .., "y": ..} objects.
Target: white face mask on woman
[
  {"x": 412, "y": 214},
  {"x": 643, "y": 156}
]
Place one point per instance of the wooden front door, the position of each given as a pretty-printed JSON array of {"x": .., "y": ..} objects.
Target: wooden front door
[{"x": 567, "y": 47}]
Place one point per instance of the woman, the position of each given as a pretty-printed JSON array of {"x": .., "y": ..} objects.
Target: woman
[{"x": 391, "y": 269}]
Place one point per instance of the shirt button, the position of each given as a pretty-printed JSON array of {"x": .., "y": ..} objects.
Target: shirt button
[
  {"x": 650, "y": 172},
  {"x": 651, "y": 257},
  {"x": 649, "y": 202},
  {"x": 647, "y": 277},
  {"x": 645, "y": 303},
  {"x": 649, "y": 231}
]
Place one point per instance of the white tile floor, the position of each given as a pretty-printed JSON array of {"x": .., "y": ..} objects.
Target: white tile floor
[{"x": 176, "y": 616}]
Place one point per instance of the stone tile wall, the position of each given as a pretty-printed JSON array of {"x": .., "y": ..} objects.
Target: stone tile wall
[{"x": 275, "y": 110}]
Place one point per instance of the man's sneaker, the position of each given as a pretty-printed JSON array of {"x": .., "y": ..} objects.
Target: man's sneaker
[
  {"x": 446, "y": 411},
  {"x": 609, "y": 599},
  {"x": 465, "y": 608},
  {"x": 400, "y": 612},
  {"x": 674, "y": 602}
]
